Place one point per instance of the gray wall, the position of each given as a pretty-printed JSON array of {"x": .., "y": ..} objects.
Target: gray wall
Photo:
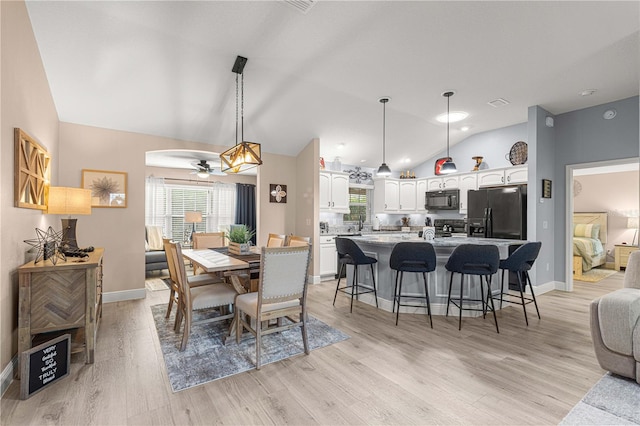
[
  {"x": 583, "y": 136},
  {"x": 492, "y": 145}
]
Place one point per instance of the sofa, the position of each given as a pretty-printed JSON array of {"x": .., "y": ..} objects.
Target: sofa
[
  {"x": 615, "y": 325},
  {"x": 155, "y": 259}
]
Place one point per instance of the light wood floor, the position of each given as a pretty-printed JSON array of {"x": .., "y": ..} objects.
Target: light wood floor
[{"x": 383, "y": 374}]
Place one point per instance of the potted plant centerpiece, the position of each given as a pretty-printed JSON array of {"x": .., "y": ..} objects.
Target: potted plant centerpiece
[{"x": 240, "y": 239}]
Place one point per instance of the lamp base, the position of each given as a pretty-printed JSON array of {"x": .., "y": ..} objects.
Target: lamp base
[{"x": 69, "y": 234}]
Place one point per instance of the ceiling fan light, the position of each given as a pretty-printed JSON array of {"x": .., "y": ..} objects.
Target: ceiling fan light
[{"x": 202, "y": 174}]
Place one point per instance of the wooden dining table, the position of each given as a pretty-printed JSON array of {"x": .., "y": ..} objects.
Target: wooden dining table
[{"x": 219, "y": 260}]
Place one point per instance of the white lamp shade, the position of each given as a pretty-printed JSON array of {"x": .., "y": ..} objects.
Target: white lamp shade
[
  {"x": 70, "y": 201},
  {"x": 633, "y": 222},
  {"x": 193, "y": 217}
]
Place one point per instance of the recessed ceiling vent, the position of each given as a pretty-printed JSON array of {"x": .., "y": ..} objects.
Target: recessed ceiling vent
[
  {"x": 302, "y": 6},
  {"x": 497, "y": 103}
]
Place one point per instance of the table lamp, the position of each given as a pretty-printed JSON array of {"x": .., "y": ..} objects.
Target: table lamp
[
  {"x": 633, "y": 223},
  {"x": 192, "y": 217},
  {"x": 69, "y": 201}
]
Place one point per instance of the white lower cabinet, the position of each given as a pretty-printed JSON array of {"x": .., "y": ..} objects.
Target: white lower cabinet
[{"x": 328, "y": 257}]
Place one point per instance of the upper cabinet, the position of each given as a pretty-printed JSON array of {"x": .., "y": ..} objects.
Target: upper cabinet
[
  {"x": 386, "y": 196},
  {"x": 439, "y": 183},
  {"x": 466, "y": 182},
  {"x": 497, "y": 177},
  {"x": 408, "y": 195},
  {"x": 334, "y": 192}
]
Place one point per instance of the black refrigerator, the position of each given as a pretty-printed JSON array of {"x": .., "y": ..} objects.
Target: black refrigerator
[{"x": 498, "y": 213}]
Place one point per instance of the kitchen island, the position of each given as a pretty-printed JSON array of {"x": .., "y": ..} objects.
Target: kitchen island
[{"x": 379, "y": 246}]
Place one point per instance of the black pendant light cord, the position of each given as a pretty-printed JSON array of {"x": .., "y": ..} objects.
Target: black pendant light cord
[
  {"x": 448, "y": 120},
  {"x": 384, "y": 129},
  {"x": 236, "y": 109},
  {"x": 242, "y": 105}
]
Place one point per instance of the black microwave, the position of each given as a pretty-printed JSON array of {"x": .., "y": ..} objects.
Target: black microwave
[{"x": 442, "y": 200}]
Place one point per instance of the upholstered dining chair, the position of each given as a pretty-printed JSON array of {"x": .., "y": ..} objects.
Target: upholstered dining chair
[
  {"x": 193, "y": 280},
  {"x": 220, "y": 295},
  {"x": 276, "y": 240},
  {"x": 203, "y": 240},
  {"x": 282, "y": 293}
]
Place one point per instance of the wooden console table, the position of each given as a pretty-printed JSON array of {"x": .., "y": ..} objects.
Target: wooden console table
[{"x": 64, "y": 296}]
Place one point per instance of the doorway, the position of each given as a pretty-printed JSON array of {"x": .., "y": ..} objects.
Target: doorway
[{"x": 607, "y": 187}]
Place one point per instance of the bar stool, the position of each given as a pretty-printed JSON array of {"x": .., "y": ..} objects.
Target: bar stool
[
  {"x": 412, "y": 257},
  {"x": 520, "y": 262},
  {"x": 474, "y": 259},
  {"x": 350, "y": 254}
]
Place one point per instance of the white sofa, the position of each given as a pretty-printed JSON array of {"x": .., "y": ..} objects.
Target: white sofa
[{"x": 615, "y": 325}]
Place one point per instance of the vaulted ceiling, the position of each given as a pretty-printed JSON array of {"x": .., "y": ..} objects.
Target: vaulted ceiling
[{"x": 164, "y": 68}]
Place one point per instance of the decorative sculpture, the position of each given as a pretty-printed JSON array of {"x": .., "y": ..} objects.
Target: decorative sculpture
[{"x": 49, "y": 245}]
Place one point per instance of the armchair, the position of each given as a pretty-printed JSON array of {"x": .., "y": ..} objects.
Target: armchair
[{"x": 615, "y": 325}]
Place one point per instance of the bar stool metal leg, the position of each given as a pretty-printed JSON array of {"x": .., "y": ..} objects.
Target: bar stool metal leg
[
  {"x": 520, "y": 288},
  {"x": 533, "y": 295},
  {"x": 426, "y": 293},
  {"x": 460, "y": 307},
  {"x": 338, "y": 285},
  {"x": 449, "y": 296},
  {"x": 373, "y": 280}
]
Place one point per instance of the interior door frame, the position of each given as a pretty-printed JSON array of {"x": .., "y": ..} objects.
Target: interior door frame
[{"x": 569, "y": 170}]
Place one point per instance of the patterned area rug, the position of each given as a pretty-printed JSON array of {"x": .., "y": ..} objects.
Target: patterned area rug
[
  {"x": 614, "y": 400},
  {"x": 206, "y": 358},
  {"x": 595, "y": 275},
  {"x": 157, "y": 284}
]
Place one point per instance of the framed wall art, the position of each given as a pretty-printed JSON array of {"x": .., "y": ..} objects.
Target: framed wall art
[
  {"x": 108, "y": 189},
  {"x": 546, "y": 188},
  {"x": 277, "y": 193},
  {"x": 32, "y": 172}
]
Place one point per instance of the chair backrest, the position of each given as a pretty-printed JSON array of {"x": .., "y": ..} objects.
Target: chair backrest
[
  {"x": 283, "y": 274},
  {"x": 276, "y": 240},
  {"x": 523, "y": 257},
  {"x": 166, "y": 242},
  {"x": 408, "y": 256},
  {"x": 208, "y": 240},
  {"x": 632, "y": 273},
  {"x": 477, "y": 259},
  {"x": 297, "y": 241},
  {"x": 348, "y": 248},
  {"x": 175, "y": 252}
]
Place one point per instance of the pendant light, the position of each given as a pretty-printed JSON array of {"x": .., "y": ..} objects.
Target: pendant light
[
  {"x": 449, "y": 166},
  {"x": 383, "y": 170},
  {"x": 244, "y": 155}
]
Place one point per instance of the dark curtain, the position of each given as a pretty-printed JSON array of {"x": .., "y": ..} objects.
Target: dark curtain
[{"x": 246, "y": 206}]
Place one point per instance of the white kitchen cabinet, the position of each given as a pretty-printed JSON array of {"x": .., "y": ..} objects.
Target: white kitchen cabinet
[
  {"x": 334, "y": 192},
  {"x": 407, "y": 195},
  {"x": 437, "y": 184},
  {"x": 328, "y": 257},
  {"x": 421, "y": 189},
  {"x": 498, "y": 177},
  {"x": 386, "y": 195},
  {"x": 466, "y": 182}
]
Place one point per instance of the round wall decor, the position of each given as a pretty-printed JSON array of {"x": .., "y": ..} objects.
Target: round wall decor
[{"x": 518, "y": 153}]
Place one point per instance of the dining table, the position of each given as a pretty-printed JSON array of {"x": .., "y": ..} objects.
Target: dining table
[{"x": 219, "y": 260}]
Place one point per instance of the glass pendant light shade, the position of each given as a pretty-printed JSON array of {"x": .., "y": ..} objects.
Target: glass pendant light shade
[
  {"x": 244, "y": 155},
  {"x": 448, "y": 166},
  {"x": 383, "y": 170}
]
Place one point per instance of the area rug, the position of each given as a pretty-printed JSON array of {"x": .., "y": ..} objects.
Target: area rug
[
  {"x": 157, "y": 284},
  {"x": 614, "y": 400},
  {"x": 595, "y": 275},
  {"x": 206, "y": 358}
]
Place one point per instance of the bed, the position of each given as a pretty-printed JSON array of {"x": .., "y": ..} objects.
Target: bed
[{"x": 589, "y": 238}]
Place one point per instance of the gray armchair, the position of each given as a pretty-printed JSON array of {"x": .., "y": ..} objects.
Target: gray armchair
[{"x": 615, "y": 325}]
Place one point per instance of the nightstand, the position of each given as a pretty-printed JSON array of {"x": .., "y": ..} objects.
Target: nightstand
[{"x": 622, "y": 253}]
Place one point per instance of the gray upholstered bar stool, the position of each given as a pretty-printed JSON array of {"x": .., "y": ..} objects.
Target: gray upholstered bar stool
[
  {"x": 474, "y": 259},
  {"x": 520, "y": 262},
  {"x": 417, "y": 258},
  {"x": 350, "y": 254}
]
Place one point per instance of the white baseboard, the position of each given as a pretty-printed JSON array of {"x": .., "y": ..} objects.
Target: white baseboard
[
  {"x": 314, "y": 279},
  {"x": 6, "y": 378},
  {"x": 119, "y": 296}
]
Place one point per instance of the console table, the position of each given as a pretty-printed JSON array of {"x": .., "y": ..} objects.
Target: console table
[{"x": 64, "y": 296}]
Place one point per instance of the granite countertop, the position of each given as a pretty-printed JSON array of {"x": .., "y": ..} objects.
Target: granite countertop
[{"x": 392, "y": 239}]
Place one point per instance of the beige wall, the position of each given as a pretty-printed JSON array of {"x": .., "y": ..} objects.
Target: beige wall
[
  {"x": 308, "y": 212},
  {"x": 614, "y": 193},
  {"x": 26, "y": 103}
]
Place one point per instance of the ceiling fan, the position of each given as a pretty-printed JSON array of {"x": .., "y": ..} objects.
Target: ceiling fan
[{"x": 203, "y": 170}]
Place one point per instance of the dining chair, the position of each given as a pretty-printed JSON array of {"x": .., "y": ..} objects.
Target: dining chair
[
  {"x": 220, "y": 295},
  {"x": 282, "y": 294},
  {"x": 276, "y": 240},
  {"x": 193, "y": 280},
  {"x": 296, "y": 241},
  {"x": 204, "y": 240}
]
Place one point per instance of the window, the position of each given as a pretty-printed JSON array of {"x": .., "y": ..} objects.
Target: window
[
  {"x": 359, "y": 205},
  {"x": 165, "y": 205}
]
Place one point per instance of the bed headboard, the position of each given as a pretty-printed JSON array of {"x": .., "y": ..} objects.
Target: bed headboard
[{"x": 593, "y": 218}]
